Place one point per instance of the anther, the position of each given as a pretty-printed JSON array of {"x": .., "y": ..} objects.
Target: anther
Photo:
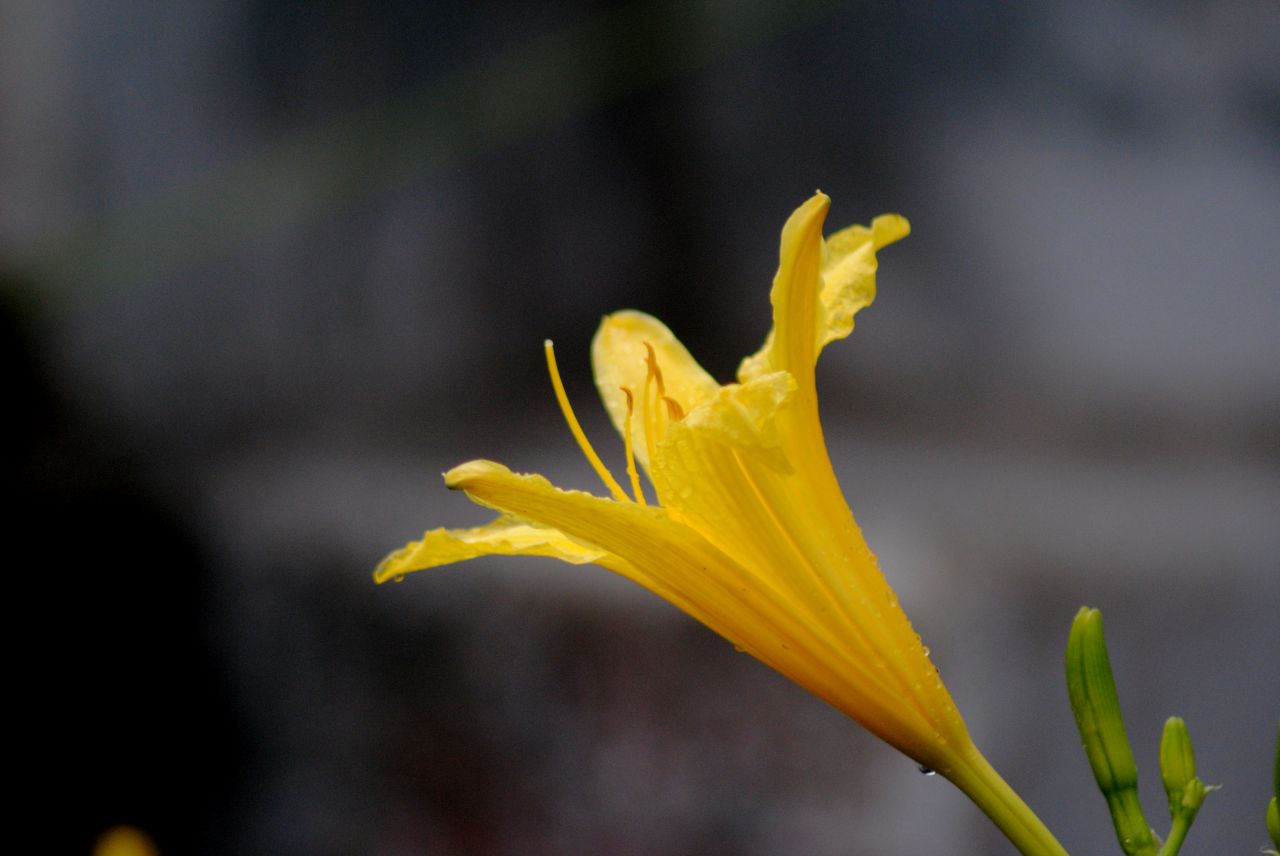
[{"x": 654, "y": 369}]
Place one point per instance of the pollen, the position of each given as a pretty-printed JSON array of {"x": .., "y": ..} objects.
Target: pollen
[{"x": 655, "y": 371}]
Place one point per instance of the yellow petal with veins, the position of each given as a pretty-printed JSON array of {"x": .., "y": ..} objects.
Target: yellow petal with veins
[
  {"x": 506, "y": 536},
  {"x": 849, "y": 273},
  {"x": 774, "y": 522},
  {"x": 791, "y": 345},
  {"x": 744, "y": 417},
  {"x": 819, "y": 291},
  {"x": 656, "y": 552},
  {"x": 753, "y": 607}
]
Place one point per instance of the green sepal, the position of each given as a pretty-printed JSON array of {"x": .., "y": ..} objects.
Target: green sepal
[{"x": 1193, "y": 797}]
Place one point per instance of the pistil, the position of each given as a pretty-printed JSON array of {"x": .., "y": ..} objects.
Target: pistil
[{"x": 578, "y": 434}]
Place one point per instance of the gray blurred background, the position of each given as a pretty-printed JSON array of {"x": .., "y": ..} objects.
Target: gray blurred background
[{"x": 269, "y": 267}]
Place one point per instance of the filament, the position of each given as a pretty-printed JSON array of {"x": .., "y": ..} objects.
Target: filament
[
  {"x": 648, "y": 415},
  {"x": 578, "y": 434},
  {"x": 631, "y": 452}
]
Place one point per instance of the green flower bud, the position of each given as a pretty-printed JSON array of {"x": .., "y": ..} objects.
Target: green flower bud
[
  {"x": 1097, "y": 710},
  {"x": 1177, "y": 762},
  {"x": 1096, "y": 705}
]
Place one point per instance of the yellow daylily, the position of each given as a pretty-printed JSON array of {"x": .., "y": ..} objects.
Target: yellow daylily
[{"x": 747, "y": 530}]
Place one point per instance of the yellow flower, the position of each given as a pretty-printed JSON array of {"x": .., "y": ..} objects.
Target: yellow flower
[
  {"x": 750, "y": 533},
  {"x": 124, "y": 841}
]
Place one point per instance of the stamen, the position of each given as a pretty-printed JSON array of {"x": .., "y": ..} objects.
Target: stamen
[
  {"x": 648, "y": 416},
  {"x": 652, "y": 360},
  {"x": 592, "y": 458},
  {"x": 631, "y": 452},
  {"x": 674, "y": 410}
]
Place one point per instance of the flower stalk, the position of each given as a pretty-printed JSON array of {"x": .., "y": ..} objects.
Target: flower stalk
[{"x": 1001, "y": 804}]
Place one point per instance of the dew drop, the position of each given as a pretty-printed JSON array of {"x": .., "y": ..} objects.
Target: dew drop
[
  {"x": 926, "y": 650},
  {"x": 928, "y": 771}
]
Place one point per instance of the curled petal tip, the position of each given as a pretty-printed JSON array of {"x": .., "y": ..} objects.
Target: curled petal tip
[{"x": 460, "y": 476}]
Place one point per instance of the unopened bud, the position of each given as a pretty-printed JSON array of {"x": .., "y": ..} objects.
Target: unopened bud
[
  {"x": 1177, "y": 763},
  {"x": 1096, "y": 706}
]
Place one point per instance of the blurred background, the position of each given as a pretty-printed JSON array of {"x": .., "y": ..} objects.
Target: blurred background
[{"x": 268, "y": 268}]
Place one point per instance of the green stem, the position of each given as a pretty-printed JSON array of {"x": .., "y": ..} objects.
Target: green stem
[
  {"x": 1177, "y": 834},
  {"x": 981, "y": 783},
  {"x": 1132, "y": 831}
]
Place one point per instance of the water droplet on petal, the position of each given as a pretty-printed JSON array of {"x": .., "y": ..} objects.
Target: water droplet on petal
[{"x": 928, "y": 771}]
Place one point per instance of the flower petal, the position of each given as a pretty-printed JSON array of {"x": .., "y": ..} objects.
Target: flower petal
[
  {"x": 791, "y": 344},
  {"x": 742, "y": 416},
  {"x": 819, "y": 287},
  {"x": 661, "y": 554},
  {"x": 724, "y": 471},
  {"x": 717, "y": 471},
  {"x": 618, "y": 358},
  {"x": 755, "y": 611},
  {"x": 712, "y": 475},
  {"x": 657, "y": 550},
  {"x": 849, "y": 273},
  {"x": 505, "y": 536}
]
